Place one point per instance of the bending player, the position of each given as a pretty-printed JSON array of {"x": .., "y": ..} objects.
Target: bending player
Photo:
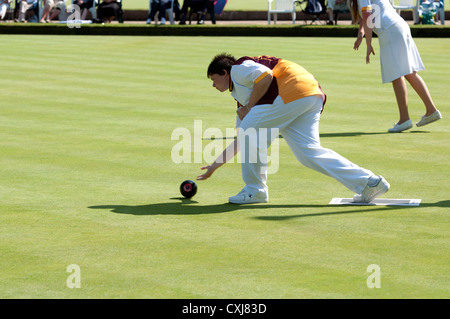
[{"x": 274, "y": 93}]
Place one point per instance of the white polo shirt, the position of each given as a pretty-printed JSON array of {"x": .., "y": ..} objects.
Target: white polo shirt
[{"x": 244, "y": 77}]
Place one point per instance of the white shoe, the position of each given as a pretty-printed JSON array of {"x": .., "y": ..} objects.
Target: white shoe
[
  {"x": 376, "y": 186},
  {"x": 246, "y": 198},
  {"x": 401, "y": 127},
  {"x": 429, "y": 119},
  {"x": 163, "y": 21},
  {"x": 149, "y": 21}
]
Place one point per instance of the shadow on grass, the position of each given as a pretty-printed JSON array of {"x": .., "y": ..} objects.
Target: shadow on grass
[
  {"x": 351, "y": 134},
  {"x": 360, "y": 209},
  {"x": 323, "y": 135},
  {"x": 182, "y": 206}
]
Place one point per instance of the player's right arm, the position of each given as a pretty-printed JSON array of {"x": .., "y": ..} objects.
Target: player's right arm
[{"x": 226, "y": 155}]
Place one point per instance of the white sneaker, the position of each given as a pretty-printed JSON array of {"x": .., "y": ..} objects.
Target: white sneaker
[
  {"x": 246, "y": 198},
  {"x": 376, "y": 186},
  {"x": 163, "y": 21},
  {"x": 429, "y": 119},
  {"x": 401, "y": 127},
  {"x": 149, "y": 21}
]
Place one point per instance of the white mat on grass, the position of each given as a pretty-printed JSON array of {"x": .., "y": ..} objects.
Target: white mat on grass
[
  {"x": 377, "y": 201},
  {"x": 76, "y": 21}
]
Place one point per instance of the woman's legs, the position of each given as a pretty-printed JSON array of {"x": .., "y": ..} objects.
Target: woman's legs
[
  {"x": 401, "y": 94},
  {"x": 418, "y": 84}
]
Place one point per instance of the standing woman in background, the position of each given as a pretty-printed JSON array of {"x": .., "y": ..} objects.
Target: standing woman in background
[{"x": 399, "y": 56}]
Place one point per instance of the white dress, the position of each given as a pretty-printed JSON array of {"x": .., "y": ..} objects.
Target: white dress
[{"x": 398, "y": 52}]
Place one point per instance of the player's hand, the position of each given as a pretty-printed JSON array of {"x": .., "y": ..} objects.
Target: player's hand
[
  {"x": 209, "y": 171},
  {"x": 357, "y": 43},
  {"x": 242, "y": 112},
  {"x": 369, "y": 51}
]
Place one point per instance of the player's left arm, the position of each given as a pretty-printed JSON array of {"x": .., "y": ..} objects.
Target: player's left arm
[{"x": 368, "y": 33}]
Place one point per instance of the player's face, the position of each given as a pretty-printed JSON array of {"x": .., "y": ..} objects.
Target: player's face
[{"x": 221, "y": 82}]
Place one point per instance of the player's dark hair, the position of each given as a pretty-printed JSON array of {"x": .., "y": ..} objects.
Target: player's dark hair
[{"x": 222, "y": 61}]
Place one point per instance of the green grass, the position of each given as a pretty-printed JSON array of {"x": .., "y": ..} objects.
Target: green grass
[{"x": 87, "y": 177}]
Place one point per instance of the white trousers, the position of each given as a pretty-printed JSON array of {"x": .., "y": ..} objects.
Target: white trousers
[{"x": 298, "y": 123}]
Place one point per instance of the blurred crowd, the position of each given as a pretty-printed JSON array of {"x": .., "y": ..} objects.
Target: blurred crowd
[{"x": 105, "y": 11}]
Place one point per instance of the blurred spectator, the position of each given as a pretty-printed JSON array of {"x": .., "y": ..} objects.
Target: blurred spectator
[
  {"x": 191, "y": 5},
  {"x": 427, "y": 12},
  {"x": 4, "y": 6},
  {"x": 210, "y": 9},
  {"x": 203, "y": 6},
  {"x": 155, "y": 6},
  {"x": 335, "y": 5},
  {"x": 107, "y": 11},
  {"x": 24, "y": 6},
  {"x": 53, "y": 8},
  {"x": 84, "y": 5},
  {"x": 439, "y": 7}
]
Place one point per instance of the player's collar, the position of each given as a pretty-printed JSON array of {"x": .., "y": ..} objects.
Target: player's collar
[{"x": 231, "y": 85}]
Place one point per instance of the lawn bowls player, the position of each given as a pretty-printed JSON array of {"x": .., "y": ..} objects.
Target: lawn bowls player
[{"x": 274, "y": 93}]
